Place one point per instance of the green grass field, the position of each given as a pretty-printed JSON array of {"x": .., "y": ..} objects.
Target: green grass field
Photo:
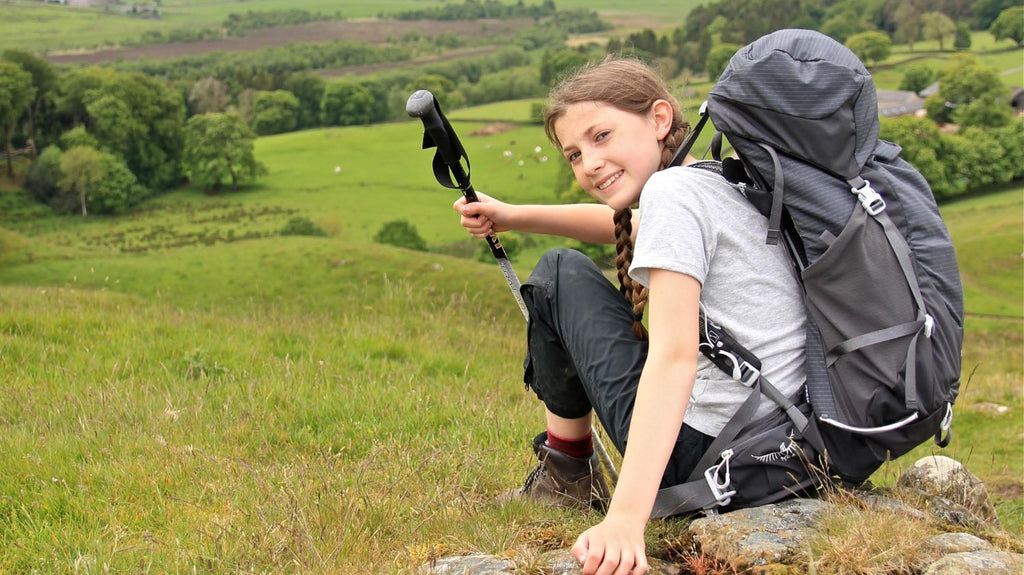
[
  {"x": 180, "y": 398},
  {"x": 30, "y": 25}
]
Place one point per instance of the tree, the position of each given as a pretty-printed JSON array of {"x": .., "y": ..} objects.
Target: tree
[
  {"x": 987, "y": 11},
  {"x": 969, "y": 92},
  {"x": 718, "y": 59},
  {"x": 81, "y": 168},
  {"x": 274, "y": 112},
  {"x": 219, "y": 146},
  {"x": 870, "y": 46},
  {"x": 43, "y": 178},
  {"x": 1009, "y": 24},
  {"x": 936, "y": 26},
  {"x": 309, "y": 90},
  {"x": 555, "y": 65},
  {"x": 208, "y": 95},
  {"x": 43, "y": 79},
  {"x": 16, "y": 93},
  {"x": 356, "y": 103},
  {"x": 908, "y": 24},
  {"x": 962, "y": 40},
  {"x": 917, "y": 78}
]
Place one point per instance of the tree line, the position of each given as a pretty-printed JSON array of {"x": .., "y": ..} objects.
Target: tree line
[{"x": 108, "y": 137}]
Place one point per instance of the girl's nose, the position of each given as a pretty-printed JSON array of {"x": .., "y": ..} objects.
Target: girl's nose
[{"x": 592, "y": 163}]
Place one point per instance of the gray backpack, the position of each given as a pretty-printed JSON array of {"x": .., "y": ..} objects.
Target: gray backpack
[{"x": 880, "y": 277}]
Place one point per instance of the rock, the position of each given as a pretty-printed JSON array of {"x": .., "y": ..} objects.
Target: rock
[
  {"x": 759, "y": 536},
  {"x": 948, "y": 543},
  {"x": 940, "y": 476},
  {"x": 476, "y": 564},
  {"x": 978, "y": 563}
]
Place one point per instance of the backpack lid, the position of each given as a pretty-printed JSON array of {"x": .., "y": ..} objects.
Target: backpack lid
[{"x": 804, "y": 94}]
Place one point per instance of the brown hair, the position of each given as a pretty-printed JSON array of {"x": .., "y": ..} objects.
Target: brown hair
[{"x": 632, "y": 86}]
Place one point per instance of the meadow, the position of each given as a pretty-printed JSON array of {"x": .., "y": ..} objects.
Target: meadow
[
  {"x": 184, "y": 389},
  {"x": 53, "y": 28}
]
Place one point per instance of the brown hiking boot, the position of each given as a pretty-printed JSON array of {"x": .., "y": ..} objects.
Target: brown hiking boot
[{"x": 563, "y": 480}]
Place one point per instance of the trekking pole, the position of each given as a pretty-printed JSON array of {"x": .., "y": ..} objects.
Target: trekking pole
[{"x": 447, "y": 165}]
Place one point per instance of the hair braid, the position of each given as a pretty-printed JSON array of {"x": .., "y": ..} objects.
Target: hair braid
[{"x": 635, "y": 293}]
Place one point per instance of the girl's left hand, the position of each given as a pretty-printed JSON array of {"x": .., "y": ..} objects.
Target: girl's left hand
[{"x": 614, "y": 546}]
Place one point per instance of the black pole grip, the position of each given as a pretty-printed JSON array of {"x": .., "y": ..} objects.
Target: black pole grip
[{"x": 422, "y": 105}]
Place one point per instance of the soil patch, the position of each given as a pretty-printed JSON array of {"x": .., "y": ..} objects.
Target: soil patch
[
  {"x": 370, "y": 31},
  {"x": 493, "y": 129}
]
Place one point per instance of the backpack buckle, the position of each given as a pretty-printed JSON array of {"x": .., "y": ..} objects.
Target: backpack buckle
[
  {"x": 869, "y": 198},
  {"x": 718, "y": 487}
]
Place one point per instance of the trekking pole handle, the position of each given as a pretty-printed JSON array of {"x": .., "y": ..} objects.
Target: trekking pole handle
[{"x": 421, "y": 105}]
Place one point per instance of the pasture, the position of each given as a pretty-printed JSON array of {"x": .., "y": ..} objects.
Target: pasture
[{"x": 185, "y": 389}]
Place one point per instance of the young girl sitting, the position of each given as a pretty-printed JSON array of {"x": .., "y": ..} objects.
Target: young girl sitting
[{"x": 698, "y": 244}]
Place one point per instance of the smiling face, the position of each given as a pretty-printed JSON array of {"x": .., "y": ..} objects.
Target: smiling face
[{"x": 613, "y": 152}]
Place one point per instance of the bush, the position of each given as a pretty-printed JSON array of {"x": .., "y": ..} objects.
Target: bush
[
  {"x": 402, "y": 234},
  {"x": 301, "y": 226},
  {"x": 917, "y": 78}
]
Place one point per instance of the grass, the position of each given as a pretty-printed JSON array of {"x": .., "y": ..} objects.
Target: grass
[
  {"x": 26, "y": 24},
  {"x": 186, "y": 390}
]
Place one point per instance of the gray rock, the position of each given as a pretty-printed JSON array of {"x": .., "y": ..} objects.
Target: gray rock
[
  {"x": 978, "y": 563},
  {"x": 941, "y": 476},
  {"x": 947, "y": 543},
  {"x": 476, "y": 564},
  {"x": 760, "y": 536}
]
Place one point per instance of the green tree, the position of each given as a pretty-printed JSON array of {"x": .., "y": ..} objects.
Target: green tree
[
  {"x": 970, "y": 92},
  {"x": 908, "y": 24},
  {"x": 16, "y": 94},
  {"x": 274, "y": 112},
  {"x": 219, "y": 147},
  {"x": 917, "y": 78},
  {"x": 44, "y": 79},
  {"x": 962, "y": 40},
  {"x": 134, "y": 116},
  {"x": 718, "y": 59},
  {"x": 351, "y": 103},
  {"x": 1009, "y": 25},
  {"x": 986, "y": 11},
  {"x": 936, "y": 26},
  {"x": 870, "y": 46},
  {"x": 309, "y": 89},
  {"x": 554, "y": 65},
  {"x": 81, "y": 168},
  {"x": 42, "y": 180}
]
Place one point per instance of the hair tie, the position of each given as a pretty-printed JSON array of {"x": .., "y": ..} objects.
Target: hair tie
[{"x": 638, "y": 316}]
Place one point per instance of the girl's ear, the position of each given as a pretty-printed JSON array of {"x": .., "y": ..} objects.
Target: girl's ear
[{"x": 661, "y": 112}]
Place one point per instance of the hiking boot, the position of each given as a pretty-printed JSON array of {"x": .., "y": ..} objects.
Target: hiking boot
[{"x": 561, "y": 480}]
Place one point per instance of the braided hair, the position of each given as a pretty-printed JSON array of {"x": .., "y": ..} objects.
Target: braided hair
[{"x": 632, "y": 86}]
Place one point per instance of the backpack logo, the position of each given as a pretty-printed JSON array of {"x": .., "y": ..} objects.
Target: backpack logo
[{"x": 786, "y": 452}]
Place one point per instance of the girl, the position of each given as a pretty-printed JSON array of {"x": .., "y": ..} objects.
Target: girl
[{"x": 698, "y": 243}]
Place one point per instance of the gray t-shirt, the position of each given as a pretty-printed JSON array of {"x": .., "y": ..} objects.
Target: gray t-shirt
[{"x": 693, "y": 222}]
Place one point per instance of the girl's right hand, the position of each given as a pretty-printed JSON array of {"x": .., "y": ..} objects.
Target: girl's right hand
[{"x": 484, "y": 216}]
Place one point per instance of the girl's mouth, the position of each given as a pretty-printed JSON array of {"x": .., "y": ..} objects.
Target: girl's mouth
[{"x": 604, "y": 184}]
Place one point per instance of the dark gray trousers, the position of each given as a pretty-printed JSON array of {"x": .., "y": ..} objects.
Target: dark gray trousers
[{"x": 582, "y": 354}]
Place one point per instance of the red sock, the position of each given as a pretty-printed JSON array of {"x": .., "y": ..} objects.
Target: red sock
[{"x": 582, "y": 447}]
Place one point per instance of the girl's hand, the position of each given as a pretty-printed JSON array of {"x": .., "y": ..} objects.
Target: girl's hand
[
  {"x": 614, "y": 546},
  {"x": 483, "y": 217}
]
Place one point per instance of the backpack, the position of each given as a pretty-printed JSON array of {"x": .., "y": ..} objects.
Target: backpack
[{"x": 880, "y": 279}]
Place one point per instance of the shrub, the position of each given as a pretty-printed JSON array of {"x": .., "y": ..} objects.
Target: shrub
[
  {"x": 402, "y": 234},
  {"x": 301, "y": 226}
]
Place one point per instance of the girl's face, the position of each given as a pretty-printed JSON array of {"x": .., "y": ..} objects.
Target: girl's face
[{"x": 613, "y": 152}]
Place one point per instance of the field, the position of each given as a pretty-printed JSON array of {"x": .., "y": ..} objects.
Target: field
[
  {"x": 55, "y": 29},
  {"x": 188, "y": 390}
]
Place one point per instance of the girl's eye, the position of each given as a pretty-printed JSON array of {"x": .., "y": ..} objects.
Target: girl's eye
[
  {"x": 602, "y": 135},
  {"x": 573, "y": 156}
]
